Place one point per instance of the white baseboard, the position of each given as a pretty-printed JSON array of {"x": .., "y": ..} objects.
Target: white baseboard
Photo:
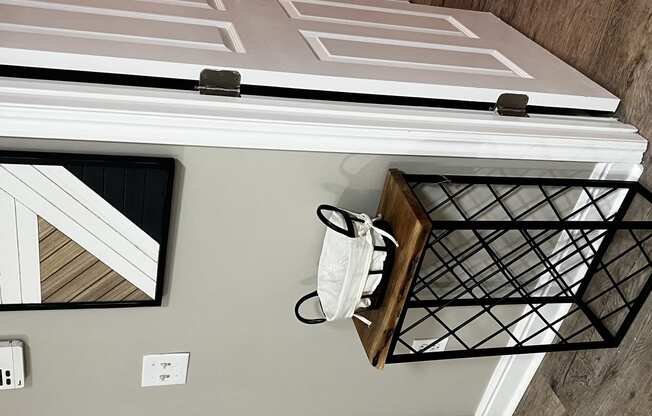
[{"x": 508, "y": 384}]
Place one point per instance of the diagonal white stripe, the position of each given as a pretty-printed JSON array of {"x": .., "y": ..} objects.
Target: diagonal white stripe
[
  {"x": 28, "y": 254},
  {"x": 9, "y": 259}
]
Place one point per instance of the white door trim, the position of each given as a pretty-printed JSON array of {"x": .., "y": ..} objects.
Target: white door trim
[
  {"x": 75, "y": 111},
  {"x": 513, "y": 374}
]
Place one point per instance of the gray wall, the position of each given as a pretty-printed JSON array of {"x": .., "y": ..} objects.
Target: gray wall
[{"x": 244, "y": 246}]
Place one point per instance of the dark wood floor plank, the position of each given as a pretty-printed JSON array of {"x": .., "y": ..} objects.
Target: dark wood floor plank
[
  {"x": 560, "y": 31},
  {"x": 543, "y": 397},
  {"x": 628, "y": 71}
]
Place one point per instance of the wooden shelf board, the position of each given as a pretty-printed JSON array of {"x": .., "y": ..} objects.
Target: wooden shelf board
[{"x": 411, "y": 227}]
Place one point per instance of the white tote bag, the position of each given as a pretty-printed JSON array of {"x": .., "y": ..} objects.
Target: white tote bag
[{"x": 355, "y": 262}]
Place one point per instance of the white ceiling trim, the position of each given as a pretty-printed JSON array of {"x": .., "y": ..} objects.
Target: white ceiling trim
[{"x": 74, "y": 111}]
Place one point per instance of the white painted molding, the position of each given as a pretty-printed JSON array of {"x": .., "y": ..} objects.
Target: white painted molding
[
  {"x": 514, "y": 373},
  {"x": 118, "y": 37},
  {"x": 291, "y": 9},
  {"x": 73, "y": 111},
  {"x": 47, "y": 200},
  {"x": 114, "y": 11},
  {"x": 215, "y": 4},
  {"x": 316, "y": 42},
  {"x": 230, "y": 39},
  {"x": 207, "y": 4}
]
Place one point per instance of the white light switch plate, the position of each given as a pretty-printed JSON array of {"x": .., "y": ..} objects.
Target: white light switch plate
[{"x": 165, "y": 369}]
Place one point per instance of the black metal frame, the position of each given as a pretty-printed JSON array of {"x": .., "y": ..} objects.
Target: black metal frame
[
  {"x": 581, "y": 236},
  {"x": 167, "y": 164}
]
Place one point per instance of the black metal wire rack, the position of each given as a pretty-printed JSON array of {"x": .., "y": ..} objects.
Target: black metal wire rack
[{"x": 509, "y": 259}]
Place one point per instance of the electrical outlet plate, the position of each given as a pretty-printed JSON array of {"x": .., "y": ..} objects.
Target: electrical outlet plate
[
  {"x": 420, "y": 344},
  {"x": 165, "y": 369},
  {"x": 12, "y": 367}
]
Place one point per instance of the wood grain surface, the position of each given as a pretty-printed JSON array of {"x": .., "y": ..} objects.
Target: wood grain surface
[
  {"x": 71, "y": 274},
  {"x": 410, "y": 225}
]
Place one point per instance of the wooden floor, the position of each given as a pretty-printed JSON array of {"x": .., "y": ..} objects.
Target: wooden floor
[{"x": 611, "y": 42}]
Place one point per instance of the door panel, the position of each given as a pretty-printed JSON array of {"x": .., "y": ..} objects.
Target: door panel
[
  {"x": 375, "y": 17},
  {"x": 414, "y": 55},
  {"x": 363, "y": 46}
]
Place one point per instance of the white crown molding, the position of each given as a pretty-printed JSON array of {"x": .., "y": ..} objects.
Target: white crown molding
[{"x": 74, "y": 111}]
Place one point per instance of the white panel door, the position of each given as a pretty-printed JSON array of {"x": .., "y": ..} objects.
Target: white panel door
[{"x": 385, "y": 47}]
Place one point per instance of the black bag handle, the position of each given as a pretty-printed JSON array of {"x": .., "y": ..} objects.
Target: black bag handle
[
  {"x": 307, "y": 321},
  {"x": 349, "y": 231}
]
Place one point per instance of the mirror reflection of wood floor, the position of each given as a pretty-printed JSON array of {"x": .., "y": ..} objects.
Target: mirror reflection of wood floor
[{"x": 610, "y": 41}]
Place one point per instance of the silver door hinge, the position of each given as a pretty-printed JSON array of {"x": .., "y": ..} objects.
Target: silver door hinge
[
  {"x": 513, "y": 105},
  {"x": 215, "y": 82}
]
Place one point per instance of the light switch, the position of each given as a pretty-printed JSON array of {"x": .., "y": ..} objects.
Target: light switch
[{"x": 165, "y": 369}]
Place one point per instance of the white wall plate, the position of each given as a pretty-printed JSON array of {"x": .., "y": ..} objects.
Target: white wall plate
[
  {"x": 165, "y": 369},
  {"x": 12, "y": 373},
  {"x": 419, "y": 344}
]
